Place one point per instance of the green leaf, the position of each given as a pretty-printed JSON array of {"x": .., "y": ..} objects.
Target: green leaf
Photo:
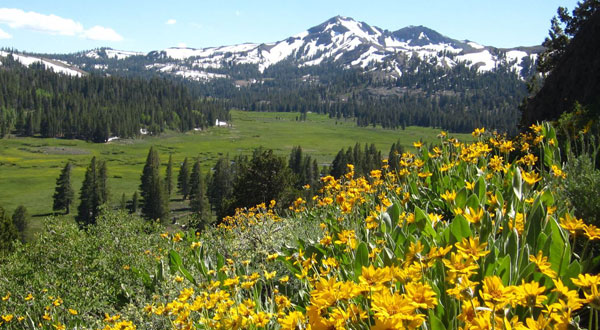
[
  {"x": 435, "y": 322},
  {"x": 503, "y": 269},
  {"x": 512, "y": 251},
  {"x": 517, "y": 183},
  {"x": 362, "y": 258},
  {"x": 460, "y": 228},
  {"x": 175, "y": 259},
  {"x": 572, "y": 271},
  {"x": 461, "y": 198},
  {"x": 559, "y": 248},
  {"x": 473, "y": 202},
  {"x": 423, "y": 222},
  {"x": 480, "y": 188},
  {"x": 394, "y": 212},
  {"x": 535, "y": 218}
]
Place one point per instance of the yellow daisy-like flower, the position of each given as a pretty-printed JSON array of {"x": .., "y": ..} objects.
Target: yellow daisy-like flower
[
  {"x": 471, "y": 248},
  {"x": 531, "y": 177}
]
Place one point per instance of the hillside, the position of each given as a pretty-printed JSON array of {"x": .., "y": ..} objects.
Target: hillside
[
  {"x": 453, "y": 235},
  {"x": 575, "y": 78},
  {"x": 344, "y": 68}
]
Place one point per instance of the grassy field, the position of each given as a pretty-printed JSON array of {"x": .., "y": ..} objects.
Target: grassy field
[{"x": 29, "y": 166}]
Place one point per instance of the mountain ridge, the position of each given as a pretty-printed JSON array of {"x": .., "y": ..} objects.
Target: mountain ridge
[{"x": 340, "y": 40}]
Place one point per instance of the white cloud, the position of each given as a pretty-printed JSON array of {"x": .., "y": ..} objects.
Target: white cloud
[
  {"x": 171, "y": 21},
  {"x": 102, "y": 34},
  {"x": 4, "y": 35},
  {"x": 182, "y": 45},
  {"x": 52, "y": 24},
  {"x": 16, "y": 18}
]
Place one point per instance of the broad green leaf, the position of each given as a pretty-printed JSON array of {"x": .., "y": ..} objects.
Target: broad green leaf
[
  {"x": 460, "y": 228},
  {"x": 503, "y": 269},
  {"x": 435, "y": 322},
  {"x": 517, "y": 183},
  {"x": 480, "y": 188},
  {"x": 362, "y": 258},
  {"x": 394, "y": 212},
  {"x": 534, "y": 221},
  {"x": 175, "y": 260}
]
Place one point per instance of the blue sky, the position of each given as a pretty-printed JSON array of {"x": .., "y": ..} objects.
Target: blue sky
[{"x": 62, "y": 26}]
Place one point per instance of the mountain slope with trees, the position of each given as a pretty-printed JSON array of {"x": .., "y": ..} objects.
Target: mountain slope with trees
[{"x": 35, "y": 101}]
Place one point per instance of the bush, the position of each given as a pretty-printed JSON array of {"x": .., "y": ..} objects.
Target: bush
[{"x": 582, "y": 188}]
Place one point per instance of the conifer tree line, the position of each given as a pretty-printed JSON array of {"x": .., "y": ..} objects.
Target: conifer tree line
[
  {"x": 12, "y": 228},
  {"x": 459, "y": 99},
  {"x": 36, "y": 101},
  {"x": 238, "y": 182}
]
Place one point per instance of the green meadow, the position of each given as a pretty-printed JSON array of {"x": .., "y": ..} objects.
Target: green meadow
[{"x": 29, "y": 166}]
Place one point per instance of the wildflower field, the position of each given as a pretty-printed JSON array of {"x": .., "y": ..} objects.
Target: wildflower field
[{"x": 462, "y": 236}]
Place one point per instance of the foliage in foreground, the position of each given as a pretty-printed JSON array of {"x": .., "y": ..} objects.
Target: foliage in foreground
[{"x": 459, "y": 237}]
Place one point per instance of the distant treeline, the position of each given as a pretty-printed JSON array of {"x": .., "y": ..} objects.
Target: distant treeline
[
  {"x": 458, "y": 99},
  {"x": 37, "y": 101}
]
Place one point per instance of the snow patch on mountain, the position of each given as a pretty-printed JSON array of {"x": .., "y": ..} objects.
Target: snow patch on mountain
[{"x": 56, "y": 66}]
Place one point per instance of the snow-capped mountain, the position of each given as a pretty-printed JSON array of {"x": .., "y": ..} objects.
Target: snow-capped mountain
[
  {"x": 349, "y": 43},
  {"x": 340, "y": 40}
]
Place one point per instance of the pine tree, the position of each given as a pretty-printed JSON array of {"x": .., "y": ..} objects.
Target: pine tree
[
  {"x": 394, "y": 155},
  {"x": 102, "y": 182},
  {"x": 220, "y": 187},
  {"x": 19, "y": 219},
  {"x": 123, "y": 205},
  {"x": 63, "y": 193},
  {"x": 198, "y": 199},
  {"x": 90, "y": 195},
  {"x": 155, "y": 203},
  {"x": 195, "y": 179},
  {"x": 8, "y": 232},
  {"x": 134, "y": 202},
  {"x": 183, "y": 179},
  {"x": 169, "y": 175}
]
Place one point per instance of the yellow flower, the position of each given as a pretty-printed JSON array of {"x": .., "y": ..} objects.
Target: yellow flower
[
  {"x": 270, "y": 275},
  {"x": 531, "y": 177},
  {"x": 530, "y": 294},
  {"x": 59, "y": 326},
  {"x": 272, "y": 257},
  {"x": 469, "y": 185},
  {"x": 195, "y": 245},
  {"x": 5, "y": 298},
  {"x": 284, "y": 279},
  {"x": 478, "y": 131},
  {"x": 493, "y": 293},
  {"x": 29, "y": 297},
  {"x": 449, "y": 196},
  {"x": 592, "y": 232},
  {"x": 572, "y": 225},
  {"x": 178, "y": 279},
  {"x": 375, "y": 278},
  {"x": 292, "y": 321},
  {"x": 496, "y": 164},
  {"x": 474, "y": 216},
  {"x": 543, "y": 265},
  {"x": 421, "y": 295},
  {"x": 46, "y": 316},
  {"x": 471, "y": 248},
  {"x": 57, "y": 302},
  {"x": 73, "y": 311},
  {"x": 418, "y": 144},
  {"x": 7, "y": 318}
]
